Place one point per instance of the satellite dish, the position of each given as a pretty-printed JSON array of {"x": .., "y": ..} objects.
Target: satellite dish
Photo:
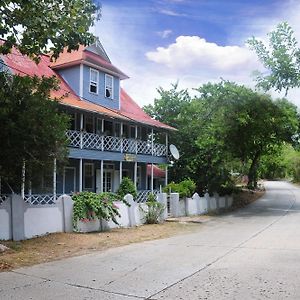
[{"x": 174, "y": 151}]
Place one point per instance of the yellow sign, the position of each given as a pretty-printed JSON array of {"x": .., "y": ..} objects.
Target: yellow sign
[{"x": 129, "y": 157}]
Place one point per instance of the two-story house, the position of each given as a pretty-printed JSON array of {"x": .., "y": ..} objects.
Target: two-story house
[{"x": 110, "y": 135}]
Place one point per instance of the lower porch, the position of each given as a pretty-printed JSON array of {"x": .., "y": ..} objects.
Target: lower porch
[{"x": 91, "y": 175}]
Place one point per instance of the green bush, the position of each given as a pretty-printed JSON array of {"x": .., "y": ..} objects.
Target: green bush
[
  {"x": 154, "y": 210},
  {"x": 185, "y": 188},
  {"x": 89, "y": 206},
  {"x": 127, "y": 187}
]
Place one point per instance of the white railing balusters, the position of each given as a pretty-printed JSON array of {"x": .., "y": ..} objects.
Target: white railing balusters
[{"x": 86, "y": 140}]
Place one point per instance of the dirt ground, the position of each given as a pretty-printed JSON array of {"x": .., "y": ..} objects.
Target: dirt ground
[{"x": 61, "y": 245}]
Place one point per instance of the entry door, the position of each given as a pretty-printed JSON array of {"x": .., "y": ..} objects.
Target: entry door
[
  {"x": 107, "y": 181},
  {"x": 69, "y": 180},
  {"x": 107, "y": 184}
]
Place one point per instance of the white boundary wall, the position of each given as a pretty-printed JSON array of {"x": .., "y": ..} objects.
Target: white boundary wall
[
  {"x": 5, "y": 220},
  {"x": 198, "y": 205},
  {"x": 20, "y": 220},
  {"x": 29, "y": 220}
]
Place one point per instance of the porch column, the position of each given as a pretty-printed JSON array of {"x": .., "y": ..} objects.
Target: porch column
[
  {"x": 152, "y": 142},
  {"x": 23, "y": 179},
  {"x": 102, "y": 136},
  {"x": 135, "y": 174},
  {"x": 80, "y": 175},
  {"x": 81, "y": 131},
  {"x": 166, "y": 176},
  {"x": 121, "y": 135},
  {"x": 121, "y": 171},
  {"x": 167, "y": 144},
  {"x": 101, "y": 176},
  {"x": 136, "y": 142},
  {"x": 147, "y": 184},
  {"x": 151, "y": 177},
  {"x": 54, "y": 179}
]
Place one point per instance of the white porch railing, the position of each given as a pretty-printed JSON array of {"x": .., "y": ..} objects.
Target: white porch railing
[
  {"x": 85, "y": 140},
  {"x": 40, "y": 199},
  {"x": 3, "y": 198},
  {"x": 143, "y": 195}
]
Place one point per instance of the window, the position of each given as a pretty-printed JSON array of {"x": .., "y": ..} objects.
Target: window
[
  {"x": 117, "y": 129},
  {"x": 109, "y": 86},
  {"x": 89, "y": 123},
  {"x": 99, "y": 126},
  {"x": 72, "y": 121},
  {"x": 94, "y": 79},
  {"x": 108, "y": 128},
  {"x": 88, "y": 176},
  {"x": 132, "y": 132}
]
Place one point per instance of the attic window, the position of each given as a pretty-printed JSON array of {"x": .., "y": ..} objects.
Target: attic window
[
  {"x": 109, "y": 86},
  {"x": 94, "y": 79}
]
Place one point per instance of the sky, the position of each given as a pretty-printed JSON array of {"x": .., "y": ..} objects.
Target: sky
[{"x": 159, "y": 42}]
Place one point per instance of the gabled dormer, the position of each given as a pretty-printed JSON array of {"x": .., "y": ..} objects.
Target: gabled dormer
[{"x": 90, "y": 73}]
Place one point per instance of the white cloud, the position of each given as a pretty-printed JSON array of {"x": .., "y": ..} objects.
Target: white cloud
[
  {"x": 196, "y": 53},
  {"x": 165, "y": 33},
  {"x": 191, "y": 60},
  {"x": 170, "y": 12}
]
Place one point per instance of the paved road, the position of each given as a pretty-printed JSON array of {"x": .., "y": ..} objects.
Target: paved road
[{"x": 250, "y": 254}]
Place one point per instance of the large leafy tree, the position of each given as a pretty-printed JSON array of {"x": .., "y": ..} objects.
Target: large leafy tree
[
  {"x": 33, "y": 25},
  {"x": 228, "y": 126},
  {"x": 281, "y": 57},
  {"x": 32, "y": 126}
]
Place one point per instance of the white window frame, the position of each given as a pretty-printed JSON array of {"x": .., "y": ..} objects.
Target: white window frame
[
  {"x": 93, "y": 176},
  {"x": 94, "y": 83},
  {"x": 112, "y": 86}
]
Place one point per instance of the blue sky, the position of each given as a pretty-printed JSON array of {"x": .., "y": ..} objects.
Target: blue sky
[{"x": 157, "y": 42}]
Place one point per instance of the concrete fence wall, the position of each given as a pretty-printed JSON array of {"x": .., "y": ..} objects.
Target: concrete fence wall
[
  {"x": 197, "y": 205},
  {"x": 20, "y": 220}
]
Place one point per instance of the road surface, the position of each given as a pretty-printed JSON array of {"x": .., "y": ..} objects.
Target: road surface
[{"x": 253, "y": 253}]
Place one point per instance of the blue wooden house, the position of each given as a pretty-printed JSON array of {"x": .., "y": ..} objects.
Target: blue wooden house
[{"x": 110, "y": 135}]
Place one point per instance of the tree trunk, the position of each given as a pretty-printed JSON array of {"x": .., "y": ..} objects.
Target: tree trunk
[{"x": 252, "y": 174}]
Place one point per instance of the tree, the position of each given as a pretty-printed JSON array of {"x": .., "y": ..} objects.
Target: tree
[
  {"x": 281, "y": 57},
  {"x": 228, "y": 126},
  {"x": 168, "y": 107},
  {"x": 251, "y": 124},
  {"x": 33, "y": 25},
  {"x": 32, "y": 126}
]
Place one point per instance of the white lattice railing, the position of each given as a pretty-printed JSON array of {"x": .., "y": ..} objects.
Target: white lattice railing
[
  {"x": 41, "y": 199},
  {"x": 74, "y": 138},
  {"x": 143, "y": 195},
  {"x": 93, "y": 141},
  {"x": 3, "y": 198}
]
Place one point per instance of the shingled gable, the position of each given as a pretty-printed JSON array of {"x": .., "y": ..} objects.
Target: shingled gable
[
  {"x": 90, "y": 55},
  {"x": 130, "y": 111}
]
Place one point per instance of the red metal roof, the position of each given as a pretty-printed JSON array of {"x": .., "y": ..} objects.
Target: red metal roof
[
  {"x": 157, "y": 172},
  {"x": 130, "y": 111}
]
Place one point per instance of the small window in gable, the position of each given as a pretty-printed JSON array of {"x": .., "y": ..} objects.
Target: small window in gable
[
  {"x": 94, "y": 79},
  {"x": 109, "y": 86}
]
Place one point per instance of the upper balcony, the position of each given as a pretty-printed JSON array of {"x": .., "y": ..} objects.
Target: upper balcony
[{"x": 93, "y": 141}]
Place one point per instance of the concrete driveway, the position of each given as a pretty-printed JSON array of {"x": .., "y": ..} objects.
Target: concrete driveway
[{"x": 253, "y": 253}]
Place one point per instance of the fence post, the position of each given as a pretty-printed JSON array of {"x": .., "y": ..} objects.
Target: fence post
[
  {"x": 18, "y": 210},
  {"x": 162, "y": 198},
  {"x": 174, "y": 204},
  {"x": 131, "y": 210},
  {"x": 67, "y": 205}
]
